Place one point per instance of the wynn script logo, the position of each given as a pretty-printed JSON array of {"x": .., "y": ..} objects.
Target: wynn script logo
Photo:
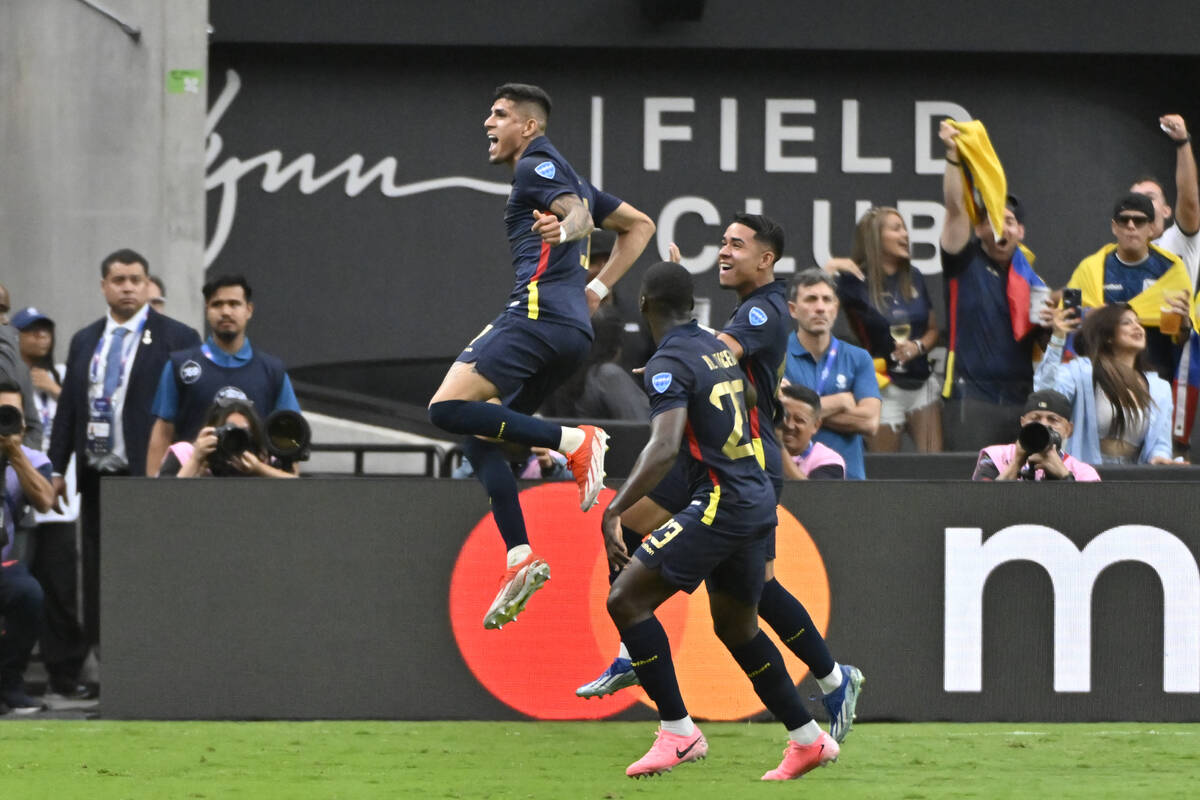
[
  {"x": 276, "y": 174},
  {"x": 675, "y": 132}
]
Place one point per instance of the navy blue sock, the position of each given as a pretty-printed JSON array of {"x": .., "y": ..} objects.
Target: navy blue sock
[
  {"x": 762, "y": 662},
  {"x": 788, "y": 617},
  {"x": 494, "y": 421},
  {"x": 650, "y": 652},
  {"x": 494, "y": 472},
  {"x": 633, "y": 540}
]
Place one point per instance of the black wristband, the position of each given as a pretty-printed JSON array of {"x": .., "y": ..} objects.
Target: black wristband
[
  {"x": 950, "y": 160},
  {"x": 1182, "y": 142}
]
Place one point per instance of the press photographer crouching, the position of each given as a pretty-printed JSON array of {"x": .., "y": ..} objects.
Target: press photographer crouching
[
  {"x": 1037, "y": 454},
  {"x": 26, "y": 483},
  {"x": 234, "y": 442}
]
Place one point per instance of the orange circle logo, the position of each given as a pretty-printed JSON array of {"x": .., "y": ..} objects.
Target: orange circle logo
[{"x": 565, "y": 637}]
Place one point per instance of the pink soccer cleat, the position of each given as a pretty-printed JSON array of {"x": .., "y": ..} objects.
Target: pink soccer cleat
[
  {"x": 587, "y": 464},
  {"x": 516, "y": 587},
  {"x": 669, "y": 750},
  {"x": 801, "y": 758}
]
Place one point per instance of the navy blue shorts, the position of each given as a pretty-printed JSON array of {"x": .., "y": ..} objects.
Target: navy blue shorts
[
  {"x": 674, "y": 493},
  {"x": 526, "y": 359},
  {"x": 686, "y": 552}
]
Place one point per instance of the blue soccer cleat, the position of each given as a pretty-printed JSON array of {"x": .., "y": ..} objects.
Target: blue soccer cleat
[
  {"x": 619, "y": 675},
  {"x": 841, "y": 702}
]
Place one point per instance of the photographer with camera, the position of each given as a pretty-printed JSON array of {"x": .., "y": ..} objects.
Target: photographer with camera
[
  {"x": 232, "y": 443},
  {"x": 26, "y": 483},
  {"x": 1037, "y": 455}
]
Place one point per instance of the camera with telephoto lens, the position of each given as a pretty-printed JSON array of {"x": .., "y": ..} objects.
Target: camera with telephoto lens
[
  {"x": 232, "y": 441},
  {"x": 288, "y": 438},
  {"x": 1036, "y": 438},
  {"x": 11, "y": 420}
]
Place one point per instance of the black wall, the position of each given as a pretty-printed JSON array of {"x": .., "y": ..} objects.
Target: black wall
[{"x": 364, "y": 598}]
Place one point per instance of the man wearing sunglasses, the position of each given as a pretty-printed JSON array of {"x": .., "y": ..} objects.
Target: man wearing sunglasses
[{"x": 1135, "y": 271}]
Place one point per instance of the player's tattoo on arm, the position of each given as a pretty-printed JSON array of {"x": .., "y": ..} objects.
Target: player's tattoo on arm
[{"x": 573, "y": 215}]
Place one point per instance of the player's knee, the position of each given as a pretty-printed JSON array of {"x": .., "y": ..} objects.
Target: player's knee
[
  {"x": 734, "y": 630},
  {"x": 622, "y": 606},
  {"x": 444, "y": 414}
]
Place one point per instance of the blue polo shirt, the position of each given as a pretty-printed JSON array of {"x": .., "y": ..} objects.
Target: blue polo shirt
[
  {"x": 166, "y": 399},
  {"x": 841, "y": 368}
]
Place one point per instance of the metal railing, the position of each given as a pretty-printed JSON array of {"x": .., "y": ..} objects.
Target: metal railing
[{"x": 435, "y": 456}]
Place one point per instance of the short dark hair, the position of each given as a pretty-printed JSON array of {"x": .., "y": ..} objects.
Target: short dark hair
[
  {"x": 123, "y": 256},
  {"x": 1146, "y": 177},
  {"x": 798, "y": 391},
  {"x": 810, "y": 277},
  {"x": 1014, "y": 204},
  {"x": 221, "y": 281},
  {"x": 668, "y": 287},
  {"x": 157, "y": 281},
  {"x": 767, "y": 231},
  {"x": 220, "y": 411},
  {"x": 524, "y": 93}
]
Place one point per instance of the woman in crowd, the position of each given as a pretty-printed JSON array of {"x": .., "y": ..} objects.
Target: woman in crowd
[
  {"x": 204, "y": 457},
  {"x": 889, "y": 309},
  {"x": 1120, "y": 408}
]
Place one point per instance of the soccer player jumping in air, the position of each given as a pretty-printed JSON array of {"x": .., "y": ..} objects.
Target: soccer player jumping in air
[
  {"x": 491, "y": 391},
  {"x": 698, "y": 407}
]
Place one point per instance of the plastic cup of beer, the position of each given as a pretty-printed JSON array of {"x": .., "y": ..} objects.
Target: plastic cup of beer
[
  {"x": 1038, "y": 295},
  {"x": 1170, "y": 320}
]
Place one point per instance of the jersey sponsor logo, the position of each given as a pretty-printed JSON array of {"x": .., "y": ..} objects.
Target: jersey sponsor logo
[
  {"x": 757, "y": 316},
  {"x": 661, "y": 382},
  {"x": 190, "y": 371},
  {"x": 228, "y": 393},
  {"x": 546, "y": 170}
]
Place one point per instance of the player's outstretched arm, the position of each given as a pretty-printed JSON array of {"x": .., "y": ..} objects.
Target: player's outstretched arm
[
  {"x": 633, "y": 229},
  {"x": 653, "y": 464}
]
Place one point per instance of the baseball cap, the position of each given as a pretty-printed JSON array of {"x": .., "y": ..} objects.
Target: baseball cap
[
  {"x": 1135, "y": 201},
  {"x": 1048, "y": 400},
  {"x": 27, "y": 316}
]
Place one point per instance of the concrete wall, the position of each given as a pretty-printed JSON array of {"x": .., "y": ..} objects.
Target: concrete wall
[{"x": 97, "y": 154}]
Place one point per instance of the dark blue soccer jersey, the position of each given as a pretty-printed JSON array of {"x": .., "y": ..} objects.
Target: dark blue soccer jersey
[
  {"x": 549, "y": 281},
  {"x": 692, "y": 369},
  {"x": 762, "y": 324}
]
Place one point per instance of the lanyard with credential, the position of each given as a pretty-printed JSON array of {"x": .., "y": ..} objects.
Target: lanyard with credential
[
  {"x": 126, "y": 349},
  {"x": 826, "y": 367}
]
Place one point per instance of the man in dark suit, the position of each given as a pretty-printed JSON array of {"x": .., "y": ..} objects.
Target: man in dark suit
[{"x": 103, "y": 415}]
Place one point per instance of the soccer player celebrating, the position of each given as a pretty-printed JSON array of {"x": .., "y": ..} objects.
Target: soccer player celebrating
[
  {"x": 757, "y": 335},
  {"x": 698, "y": 408},
  {"x": 491, "y": 391}
]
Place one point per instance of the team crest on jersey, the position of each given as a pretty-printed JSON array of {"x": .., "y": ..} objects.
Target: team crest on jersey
[
  {"x": 189, "y": 372},
  {"x": 757, "y": 316},
  {"x": 546, "y": 170},
  {"x": 841, "y": 381},
  {"x": 661, "y": 382}
]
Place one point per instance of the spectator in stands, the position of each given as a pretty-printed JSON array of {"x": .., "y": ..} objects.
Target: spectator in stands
[
  {"x": 156, "y": 293},
  {"x": 803, "y": 458},
  {"x": 231, "y": 443},
  {"x": 51, "y": 552},
  {"x": 36, "y": 335},
  {"x": 989, "y": 370},
  {"x": 840, "y": 373},
  {"x": 530, "y": 464},
  {"x": 225, "y": 364},
  {"x": 890, "y": 311},
  {"x": 103, "y": 416},
  {"x": 12, "y": 368},
  {"x": 1183, "y": 237},
  {"x": 1120, "y": 409},
  {"x": 601, "y": 388},
  {"x": 1037, "y": 455},
  {"x": 26, "y": 482},
  {"x": 1134, "y": 271}
]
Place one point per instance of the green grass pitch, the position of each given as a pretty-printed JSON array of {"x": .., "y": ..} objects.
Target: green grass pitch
[{"x": 583, "y": 760}]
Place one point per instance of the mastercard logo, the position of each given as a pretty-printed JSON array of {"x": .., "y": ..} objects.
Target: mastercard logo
[{"x": 564, "y": 638}]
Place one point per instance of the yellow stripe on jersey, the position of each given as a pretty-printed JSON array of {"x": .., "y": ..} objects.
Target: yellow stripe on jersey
[
  {"x": 759, "y": 455},
  {"x": 533, "y": 300},
  {"x": 710, "y": 513}
]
